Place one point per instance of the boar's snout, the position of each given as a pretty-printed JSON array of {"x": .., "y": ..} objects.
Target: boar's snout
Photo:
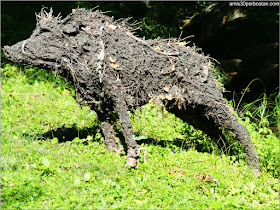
[
  {"x": 14, "y": 52},
  {"x": 7, "y": 51}
]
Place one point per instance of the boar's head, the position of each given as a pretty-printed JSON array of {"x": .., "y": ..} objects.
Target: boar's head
[
  {"x": 53, "y": 42},
  {"x": 41, "y": 47}
]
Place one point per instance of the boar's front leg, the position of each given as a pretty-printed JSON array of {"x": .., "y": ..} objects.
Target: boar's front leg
[
  {"x": 109, "y": 134},
  {"x": 133, "y": 151},
  {"x": 120, "y": 106}
]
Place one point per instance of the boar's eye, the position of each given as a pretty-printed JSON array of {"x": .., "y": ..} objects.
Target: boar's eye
[{"x": 43, "y": 30}]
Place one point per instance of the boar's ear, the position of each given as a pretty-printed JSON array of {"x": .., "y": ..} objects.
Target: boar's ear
[
  {"x": 75, "y": 21},
  {"x": 70, "y": 25}
]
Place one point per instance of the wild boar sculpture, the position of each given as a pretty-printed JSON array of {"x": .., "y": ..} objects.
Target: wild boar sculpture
[{"x": 115, "y": 71}]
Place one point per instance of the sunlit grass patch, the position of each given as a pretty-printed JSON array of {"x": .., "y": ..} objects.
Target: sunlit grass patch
[{"x": 40, "y": 172}]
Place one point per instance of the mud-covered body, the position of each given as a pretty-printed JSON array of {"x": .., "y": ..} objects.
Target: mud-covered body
[{"x": 113, "y": 70}]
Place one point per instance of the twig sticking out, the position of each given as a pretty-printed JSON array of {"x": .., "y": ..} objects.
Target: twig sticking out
[
  {"x": 145, "y": 153},
  {"x": 187, "y": 37},
  {"x": 145, "y": 43}
]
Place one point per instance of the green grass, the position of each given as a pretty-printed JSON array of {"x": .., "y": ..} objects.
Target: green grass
[{"x": 45, "y": 172}]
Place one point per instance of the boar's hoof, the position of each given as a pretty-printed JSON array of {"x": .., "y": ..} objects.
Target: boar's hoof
[
  {"x": 133, "y": 156},
  {"x": 132, "y": 162}
]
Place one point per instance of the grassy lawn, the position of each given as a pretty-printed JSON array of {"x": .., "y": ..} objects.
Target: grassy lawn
[{"x": 74, "y": 171}]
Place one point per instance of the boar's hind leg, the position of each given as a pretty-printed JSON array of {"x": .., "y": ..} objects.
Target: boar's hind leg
[
  {"x": 109, "y": 134},
  {"x": 222, "y": 113},
  {"x": 204, "y": 117}
]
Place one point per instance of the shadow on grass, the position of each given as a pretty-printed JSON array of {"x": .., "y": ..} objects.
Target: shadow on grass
[
  {"x": 68, "y": 134},
  {"x": 181, "y": 143}
]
